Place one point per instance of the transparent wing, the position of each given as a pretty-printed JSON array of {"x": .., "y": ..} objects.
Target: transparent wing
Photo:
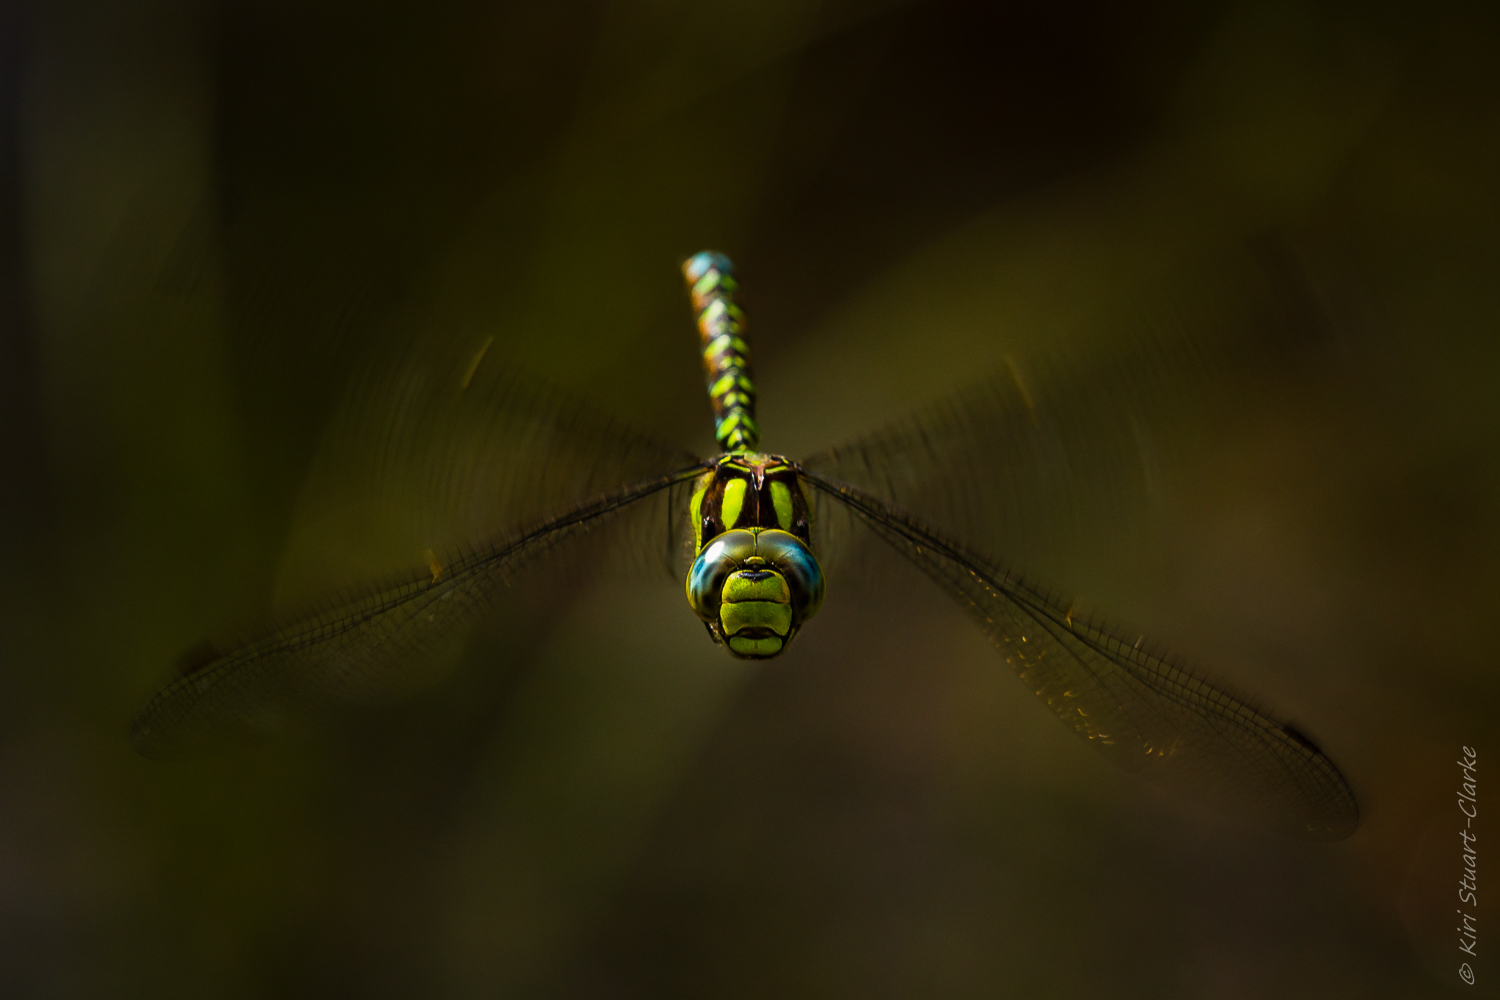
[
  {"x": 378, "y": 644},
  {"x": 1140, "y": 709},
  {"x": 1076, "y": 437},
  {"x": 441, "y": 442}
]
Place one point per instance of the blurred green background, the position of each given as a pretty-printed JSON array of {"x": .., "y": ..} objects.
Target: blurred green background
[{"x": 216, "y": 215}]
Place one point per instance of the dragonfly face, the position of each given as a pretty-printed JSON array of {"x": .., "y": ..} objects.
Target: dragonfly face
[{"x": 755, "y": 579}]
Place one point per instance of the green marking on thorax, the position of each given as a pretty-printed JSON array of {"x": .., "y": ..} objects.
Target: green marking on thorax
[
  {"x": 781, "y": 497},
  {"x": 734, "y": 502},
  {"x": 695, "y": 507}
]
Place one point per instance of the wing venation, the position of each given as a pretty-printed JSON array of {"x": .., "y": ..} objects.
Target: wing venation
[
  {"x": 358, "y": 647},
  {"x": 1138, "y": 707}
]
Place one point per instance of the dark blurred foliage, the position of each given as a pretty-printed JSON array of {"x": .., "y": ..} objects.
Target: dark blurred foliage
[{"x": 221, "y": 222}]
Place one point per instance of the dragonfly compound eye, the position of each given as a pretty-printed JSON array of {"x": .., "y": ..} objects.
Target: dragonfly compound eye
[{"x": 755, "y": 588}]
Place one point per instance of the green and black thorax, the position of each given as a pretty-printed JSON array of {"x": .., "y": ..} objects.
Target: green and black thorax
[{"x": 750, "y": 490}]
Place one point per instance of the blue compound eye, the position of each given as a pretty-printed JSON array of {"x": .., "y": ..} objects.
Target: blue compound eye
[
  {"x": 721, "y": 557},
  {"x": 789, "y": 556}
]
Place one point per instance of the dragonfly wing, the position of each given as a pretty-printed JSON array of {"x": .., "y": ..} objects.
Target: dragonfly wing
[
  {"x": 443, "y": 443},
  {"x": 1139, "y": 708},
  {"x": 364, "y": 647},
  {"x": 1051, "y": 444}
]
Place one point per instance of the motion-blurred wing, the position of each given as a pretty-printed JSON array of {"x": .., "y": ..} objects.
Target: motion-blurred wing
[
  {"x": 368, "y": 647},
  {"x": 443, "y": 442},
  {"x": 1077, "y": 435},
  {"x": 1139, "y": 709}
]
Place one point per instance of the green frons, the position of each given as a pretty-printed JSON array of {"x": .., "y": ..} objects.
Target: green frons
[
  {"x": 761, "y": 602},
  {"x": 755, "y": 614},
  {"x": 760, "y": 587}
]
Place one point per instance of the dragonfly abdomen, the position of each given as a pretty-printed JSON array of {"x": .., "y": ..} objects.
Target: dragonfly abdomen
[{"x": 726, "y": 355}]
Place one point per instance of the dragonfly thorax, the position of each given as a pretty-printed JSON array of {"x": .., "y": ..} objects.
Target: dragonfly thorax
[
  {"x": 749, "y": 490},
  {"x": 754, "y": 578}
]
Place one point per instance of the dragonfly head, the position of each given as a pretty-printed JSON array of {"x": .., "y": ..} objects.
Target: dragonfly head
[{"x": 754, "y": 587}]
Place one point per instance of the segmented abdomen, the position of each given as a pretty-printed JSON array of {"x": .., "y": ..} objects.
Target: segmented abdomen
[{"x": 726, "y": 356}]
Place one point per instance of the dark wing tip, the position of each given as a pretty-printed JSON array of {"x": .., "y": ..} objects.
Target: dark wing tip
[
  {"x": 1301, "y": 739},
  {"x": 1334, "y": 813}
]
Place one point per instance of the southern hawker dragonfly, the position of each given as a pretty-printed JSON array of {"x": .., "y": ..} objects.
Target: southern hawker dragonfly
[{"x": 751, "y": 528}]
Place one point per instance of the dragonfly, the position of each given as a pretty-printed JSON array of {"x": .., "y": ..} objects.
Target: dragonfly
[{"x": 754, "y": 529}]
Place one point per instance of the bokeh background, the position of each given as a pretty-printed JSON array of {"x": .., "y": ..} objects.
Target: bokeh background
[{"x": 218, "y": 218}]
